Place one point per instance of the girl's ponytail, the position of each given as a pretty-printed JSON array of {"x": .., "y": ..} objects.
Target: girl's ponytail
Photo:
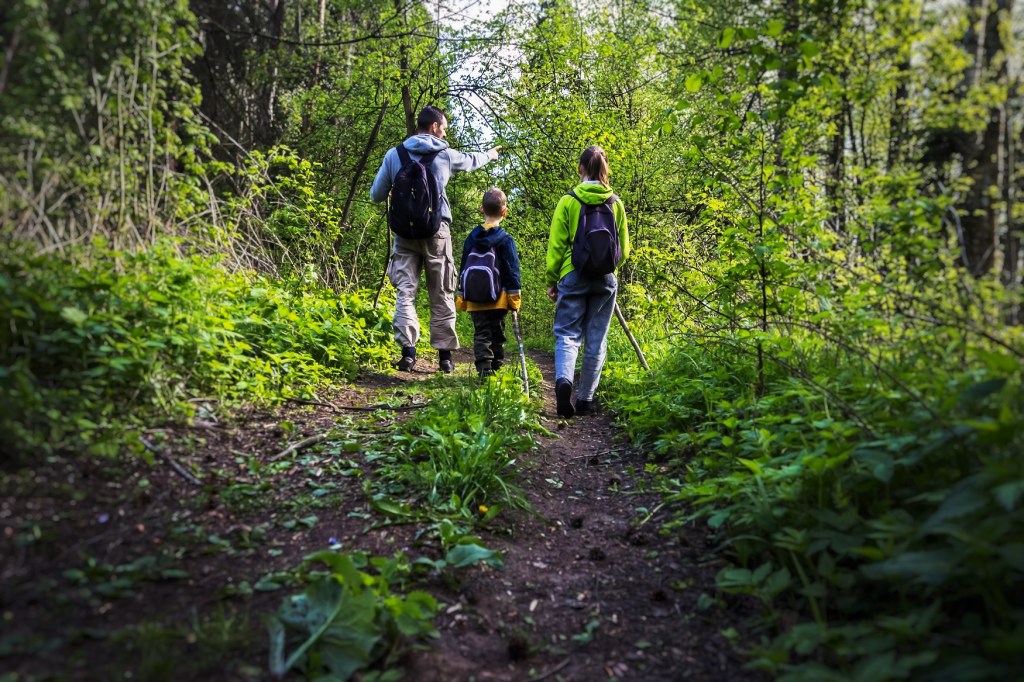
[{"x": 595, "y": 164}]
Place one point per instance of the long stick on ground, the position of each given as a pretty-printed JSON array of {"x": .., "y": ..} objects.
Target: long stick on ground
[
  {"x": 522, "y": 351},
  {"x": 178, "y": 469},
  {"x": 305, "y": 442},
  {"x": 632, "y": 339}
]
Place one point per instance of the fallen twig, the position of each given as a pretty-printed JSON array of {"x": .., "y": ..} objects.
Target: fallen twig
[
  {"x": 305, "y": 442},
  {"x": 178, "y": 469},
  {"x": 358, "y": 408},
  {"x": 592, "y": 454},
  {"x": 553, "y": 670}
]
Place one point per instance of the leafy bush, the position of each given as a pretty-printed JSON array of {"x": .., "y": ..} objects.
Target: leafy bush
[
  {"x": 459, "y": 454},
  {"x": 893, "y": 522},
  {"x": 349, "y": 618},
  {"x": 90, "y": 350}
]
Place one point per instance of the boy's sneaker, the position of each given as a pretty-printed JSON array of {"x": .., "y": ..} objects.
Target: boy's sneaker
[
  {"x": 445, "y": 363},
  {"x": 584, "y": 408},
  {"x": 408, "y": 360},
  {"x": 563, "y": 398}
]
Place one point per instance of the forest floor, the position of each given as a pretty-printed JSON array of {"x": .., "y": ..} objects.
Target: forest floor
[{"x": 119, "y": 569}]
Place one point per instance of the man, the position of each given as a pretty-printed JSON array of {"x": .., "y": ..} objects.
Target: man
[{"x": 434, "y": 253}]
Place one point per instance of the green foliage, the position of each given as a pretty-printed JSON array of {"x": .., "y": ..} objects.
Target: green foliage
[
  {"x": 350, "y": 617},
  {"x": 97, "y": 117},
  {"x": 458, "y": 455},
  {"x": 895, "y": 523},
  {"x": 92, "y": 349},
  {"x": 832, "y": 397}
]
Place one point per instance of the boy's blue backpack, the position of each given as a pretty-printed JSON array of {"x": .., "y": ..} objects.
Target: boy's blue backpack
[
  {"x": 481, "y": 278},
  {"x": 595, "y": 248},
  {"x": 415, "y": 197}
]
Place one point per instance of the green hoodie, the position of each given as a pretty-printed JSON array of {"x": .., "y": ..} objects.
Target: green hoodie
[{"x": 563, "y": 229}]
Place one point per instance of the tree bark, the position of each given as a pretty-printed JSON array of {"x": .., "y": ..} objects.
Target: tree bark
[
  {"x": 1011, "y": 244},
  {"x": 277, "y": 15},
  {"x": 357, "y": 174},
  {"x": 987, "y": 166},
  {"x": 9, "y": 54},
  {"x": 403, "y": 64},
  {"x": 836, "y": 160}
]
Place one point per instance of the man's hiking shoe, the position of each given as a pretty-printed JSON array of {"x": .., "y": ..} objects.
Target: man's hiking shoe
[
  {"x": 445, "y": 363},
  {"x": 408, "y": 360},
  {"x": 584, "y": 408},
  {"x": 497, "y": 364},
  {"x": 484, "y": 373},
  {"x": 563, "y": 395}
]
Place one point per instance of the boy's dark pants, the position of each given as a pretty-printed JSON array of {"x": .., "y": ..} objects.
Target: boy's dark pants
[{"x": 488, "y": 338}]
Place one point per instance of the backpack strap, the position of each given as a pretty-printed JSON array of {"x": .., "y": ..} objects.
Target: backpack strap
[
  {"x": 572, "y": 193},
  {"x": 404, "y": 156},
  {"x": 612, "y": 199}
]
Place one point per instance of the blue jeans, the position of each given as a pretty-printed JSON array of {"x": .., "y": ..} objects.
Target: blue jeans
[{"x": 583, "y": 314}]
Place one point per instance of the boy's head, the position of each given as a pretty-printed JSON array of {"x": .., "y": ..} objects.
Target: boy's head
[{"x": 494, "y": 204}]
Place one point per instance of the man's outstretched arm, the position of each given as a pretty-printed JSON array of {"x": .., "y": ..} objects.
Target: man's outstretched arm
[{"x": 461, "y": 161}]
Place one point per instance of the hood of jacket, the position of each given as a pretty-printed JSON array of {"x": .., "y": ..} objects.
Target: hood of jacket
[
  {"x": 481, "y": 239},
  {"x": 424, "y": 143},
  {"x": 592, "y": 194}
]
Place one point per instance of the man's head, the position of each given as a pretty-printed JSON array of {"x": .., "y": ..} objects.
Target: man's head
[
  {"x": 494, "y": 204},
  {"x": 432, "y": 121}
]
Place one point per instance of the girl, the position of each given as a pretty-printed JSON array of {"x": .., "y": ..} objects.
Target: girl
[{"x": 584, "y": 286}]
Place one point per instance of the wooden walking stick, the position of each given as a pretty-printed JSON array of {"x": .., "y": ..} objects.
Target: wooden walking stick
[
  {"x": 522, "y": 351},
  {"x": 632, "y": 339}
]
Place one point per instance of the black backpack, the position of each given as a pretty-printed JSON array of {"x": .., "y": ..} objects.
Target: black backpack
[
  {"x": 413, "y": 211},
  {"x": 595, "y": 248},
  {"x": 481, "y": 278}
]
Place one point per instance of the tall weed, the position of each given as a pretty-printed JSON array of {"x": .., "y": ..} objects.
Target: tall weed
[
  {"x": 887, "y": 514},
  {"x": 90, "y": 351},
  {"x": 459, "y": 455}
]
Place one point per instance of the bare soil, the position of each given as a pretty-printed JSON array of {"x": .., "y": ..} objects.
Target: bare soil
[{"x": 125, "y": 570}]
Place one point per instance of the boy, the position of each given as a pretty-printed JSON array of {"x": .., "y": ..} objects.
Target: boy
[
  {"x": 489, "y": 282},
  {"x": 431, "y": 253}
]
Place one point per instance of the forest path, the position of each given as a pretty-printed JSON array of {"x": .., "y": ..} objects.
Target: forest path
[
  {"x": 123, "y": 568},
  {"x": 592, "y": 590}
]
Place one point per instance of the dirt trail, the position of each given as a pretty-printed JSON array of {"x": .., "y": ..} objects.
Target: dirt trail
[
  {"x": 117, "y": 569},
  {"x": 592, "y": 590}
]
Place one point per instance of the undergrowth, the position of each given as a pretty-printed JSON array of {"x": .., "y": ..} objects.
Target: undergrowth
[
  {"x": 889, "y": 519},
  {"x": 94, "y": 348},
  {"x": 458, "y": 456}
]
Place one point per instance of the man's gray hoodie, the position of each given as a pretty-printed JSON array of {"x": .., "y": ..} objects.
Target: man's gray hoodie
[{"x": 447, "y": 161}]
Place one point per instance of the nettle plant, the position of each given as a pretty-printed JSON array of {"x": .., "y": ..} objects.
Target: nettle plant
[
  {"x": 459, "y": 455},
  {"x": 836, "y": 398},
  {"x": 94, "y": 347},
  {"x": 350, "y": 617},
  {"x": 359, "y": 614}
]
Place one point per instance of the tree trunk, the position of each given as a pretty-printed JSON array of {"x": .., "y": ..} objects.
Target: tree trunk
[
  {"x": 987, "y": 166},
  {"x": 277, "y": 16},
  {"x": 836, "y": 164},
  {"x": 898, "y": 119},
  {"x": 403, "y": 64},
  {"x": 1011, "y": 243}
]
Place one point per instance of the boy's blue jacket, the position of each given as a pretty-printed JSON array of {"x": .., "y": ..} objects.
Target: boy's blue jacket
[{"x": 483, "y": 238}]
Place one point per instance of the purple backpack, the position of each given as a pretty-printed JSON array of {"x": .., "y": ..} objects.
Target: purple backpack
[
  {"x": 415, "y": 197},
  {"x": 481, "y": 278},
  {"x": 595, "y": 248}
]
